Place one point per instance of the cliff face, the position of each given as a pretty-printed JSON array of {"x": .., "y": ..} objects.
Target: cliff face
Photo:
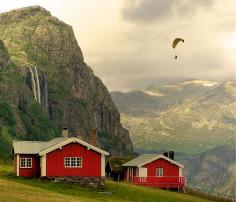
[
  {"x": 213, "y": 170},
  {"x": 44, "y": 54}
]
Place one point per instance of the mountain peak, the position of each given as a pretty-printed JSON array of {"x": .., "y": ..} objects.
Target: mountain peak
[
  {"x": 200, "y": 82},
  {"x": 22, "y": 13},
  {"x": 229, "y": 83},
  {"x": 229, "y": 87}
]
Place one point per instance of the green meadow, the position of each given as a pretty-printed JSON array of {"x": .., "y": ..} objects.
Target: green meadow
[{"x": 24, "y": 189}]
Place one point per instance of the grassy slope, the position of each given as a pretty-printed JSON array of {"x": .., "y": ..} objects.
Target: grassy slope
[{"x": 20, "y": 189}]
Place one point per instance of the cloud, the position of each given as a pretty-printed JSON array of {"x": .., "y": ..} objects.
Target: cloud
[
  {"x": 138, "y": 70},
  {"x": 141, "y": 11},
  {"x": 147, "y": 10}
]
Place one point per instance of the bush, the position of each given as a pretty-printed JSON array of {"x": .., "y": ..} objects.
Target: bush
[
  {"x": 37, "y": 124},
  {"x": 6, "y": 114},
  {"x": 5, "y": 144}
]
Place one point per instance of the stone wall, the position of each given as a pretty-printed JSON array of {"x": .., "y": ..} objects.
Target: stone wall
[{"x": 92, "y": 182}]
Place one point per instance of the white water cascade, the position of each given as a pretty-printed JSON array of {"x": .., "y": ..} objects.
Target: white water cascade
[
  {"x": 33, "y": 83},
  {"x": 38, "y": 85}
]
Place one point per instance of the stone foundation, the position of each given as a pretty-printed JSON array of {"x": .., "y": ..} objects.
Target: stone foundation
[{"x": 93, "y": 182}]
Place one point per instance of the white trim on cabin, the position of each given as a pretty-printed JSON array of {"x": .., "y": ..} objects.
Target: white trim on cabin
[
  {"x": 74, "y": 140},
  {"x": 103, "y": 165},
  {"x": 127, "y": 174},
  {"x": 180, "y": 172},
  {"x": 160, "y": 156},
  {"x": 17, "y": 165},
  {"x": 43, "y": 165}
]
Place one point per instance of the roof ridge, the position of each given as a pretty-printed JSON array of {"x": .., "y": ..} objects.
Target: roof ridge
[
  {"x": 141, "y": 160},
  {"x": 29, "y": 141}
]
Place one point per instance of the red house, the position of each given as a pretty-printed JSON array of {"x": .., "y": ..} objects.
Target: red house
[
  {"x": 154, "y": 170},
  {"x": 67, "y": 157}
]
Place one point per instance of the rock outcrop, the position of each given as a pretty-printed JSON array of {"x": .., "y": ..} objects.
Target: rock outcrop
[
  {"x": 4, "y": 57},
  {"x": 45, "y": 53}
]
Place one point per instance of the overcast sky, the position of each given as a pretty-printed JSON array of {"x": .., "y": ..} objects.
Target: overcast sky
[{"x": 128, "y": 42}]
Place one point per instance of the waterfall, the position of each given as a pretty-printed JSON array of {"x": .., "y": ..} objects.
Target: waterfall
[
  {"x": 33, "y": 83},
  {"x": 38, "y": 85},
  {"x": 46, "y": 97}
]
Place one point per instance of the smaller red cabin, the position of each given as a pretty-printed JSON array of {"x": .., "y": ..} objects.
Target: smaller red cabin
[{"x": 155, "y": 170}]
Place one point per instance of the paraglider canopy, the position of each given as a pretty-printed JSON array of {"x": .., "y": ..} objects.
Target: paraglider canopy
[{"x": 176, "y": 41}]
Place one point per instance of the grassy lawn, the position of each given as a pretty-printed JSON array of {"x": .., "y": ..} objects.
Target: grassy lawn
[{"x": 20, "y": 189}]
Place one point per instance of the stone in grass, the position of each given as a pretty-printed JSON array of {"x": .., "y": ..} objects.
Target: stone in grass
[{"x": 105, "y": 192}]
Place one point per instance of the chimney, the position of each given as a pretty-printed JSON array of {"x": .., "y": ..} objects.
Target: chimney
[
  {"x": 92, "y": 137},
  {"x": 165, "y": 154},
  {"x": 65, "y": 132},
  {"x": 172, "y": 155}
]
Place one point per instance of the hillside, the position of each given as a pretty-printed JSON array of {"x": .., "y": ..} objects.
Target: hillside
[
  {"x": 189, "y": 117},
  {"x": 19, "y": 189},
  {"x": 213, "y": 170},
  {"x": 45, "y": 84}
]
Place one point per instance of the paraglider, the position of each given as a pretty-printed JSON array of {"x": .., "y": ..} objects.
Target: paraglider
[{"x": 175, "y": 43}]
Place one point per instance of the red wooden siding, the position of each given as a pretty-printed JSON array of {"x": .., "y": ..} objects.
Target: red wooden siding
[
  {"x": 91, "y": 161},
  {"x": 30, "y": 172},
  {"x": 168, "y": 168}
]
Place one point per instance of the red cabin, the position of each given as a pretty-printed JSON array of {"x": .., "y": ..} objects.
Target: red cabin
[
  {"x": 63, "y": 156},
  {"x": 154, "y": 170}
]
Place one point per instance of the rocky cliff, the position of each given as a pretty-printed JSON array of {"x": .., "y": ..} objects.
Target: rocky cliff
[
  {"x": 213, "y": 170},
  {"x": 48, "y": 85}
]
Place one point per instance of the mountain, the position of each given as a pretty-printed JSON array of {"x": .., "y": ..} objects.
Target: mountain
[
  {"x": 212, "y": 171},
  {"x": 45, "y": 84},
  {"x": 189, "y": 117},
  {"x": 154, "y": 100}
]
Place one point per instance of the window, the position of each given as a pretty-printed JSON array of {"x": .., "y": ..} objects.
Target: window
[
  {"x": 159, "y": 172},
  {"x": 73, "y": 162},
  {"x": 25, "y": 162}
]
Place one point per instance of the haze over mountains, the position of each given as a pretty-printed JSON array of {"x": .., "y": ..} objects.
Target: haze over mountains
[{"x": 189, "y": 117}]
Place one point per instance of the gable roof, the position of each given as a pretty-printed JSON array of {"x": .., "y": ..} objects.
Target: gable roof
[
  {"x": 41, "y": 148},
  {"x": 148, "y": 158},
  {"x": 68, "y": 141}
]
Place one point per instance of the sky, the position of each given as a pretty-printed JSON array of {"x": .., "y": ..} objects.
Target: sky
[{"x": 128, "y": 42}]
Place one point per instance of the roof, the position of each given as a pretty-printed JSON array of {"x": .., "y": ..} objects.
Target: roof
[
  {"x": 42, "y": 148},
  {"x": 148, "y": 158}
]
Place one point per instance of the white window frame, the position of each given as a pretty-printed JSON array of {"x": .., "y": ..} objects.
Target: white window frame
[
  {"x": 25, "y": 164},
  {"x": 73, "y": 162},
  {"x": 159, "y": 172}
]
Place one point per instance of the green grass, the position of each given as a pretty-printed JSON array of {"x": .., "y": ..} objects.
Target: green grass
[{"x": 21, "y": 189}]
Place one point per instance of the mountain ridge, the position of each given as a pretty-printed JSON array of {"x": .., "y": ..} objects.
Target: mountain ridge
[
  {"x": 191, "y": 117},
  {"x": 213, "y": 170}
]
